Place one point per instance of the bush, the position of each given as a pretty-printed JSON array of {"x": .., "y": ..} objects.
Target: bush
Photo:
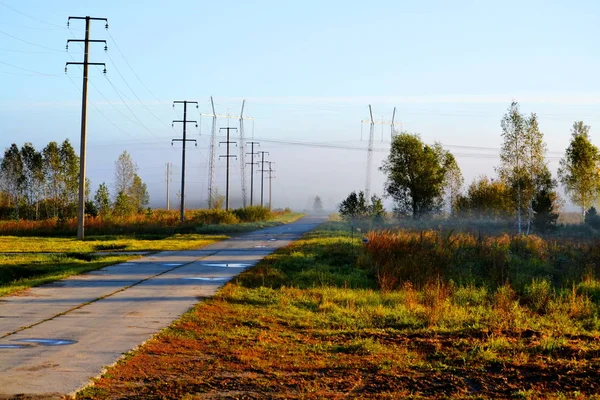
[
  {"x": 253, "y": 214},
  {"x": 214, "y": 216}
]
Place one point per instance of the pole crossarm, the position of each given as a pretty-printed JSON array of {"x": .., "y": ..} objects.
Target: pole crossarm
[{"x": 84, "y": 96}]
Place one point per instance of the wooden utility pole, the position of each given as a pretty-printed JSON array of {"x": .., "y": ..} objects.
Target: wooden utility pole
[
  {"x": 83, "y": 142},
  {"x": 184, "y": 121}
]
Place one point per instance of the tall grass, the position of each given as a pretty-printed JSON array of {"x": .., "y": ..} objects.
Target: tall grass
[
  {"x": 152, "y": 221},
  {"x": 466, "y": 259}
]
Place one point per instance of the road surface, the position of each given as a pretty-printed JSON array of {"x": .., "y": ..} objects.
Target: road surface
[{"x": 56, "y": 337}]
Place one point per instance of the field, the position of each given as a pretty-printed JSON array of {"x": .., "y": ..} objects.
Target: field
[
  {"x": 324, "y": 318},
  {"x": 31, "y": 260}
]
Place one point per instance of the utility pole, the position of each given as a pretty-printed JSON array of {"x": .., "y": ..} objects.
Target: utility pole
[
  {"x": 262, "y": 175},
  {"x": 83, "y": 142},
  {"x": 270, "y": 185},
  {"x": 227, "y": 156},
  {"x": 184, "y": 121},
  {"x": 252, "y": 154},
  {"x": 169, "y": 165}
]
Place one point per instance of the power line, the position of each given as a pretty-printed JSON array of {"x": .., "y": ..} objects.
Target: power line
[
  {"x": 29, "y": 70},
  {"x": 30, "y": 43},
  {"x": 131, "y": 68},
  {"x": 30, "y": 17}
]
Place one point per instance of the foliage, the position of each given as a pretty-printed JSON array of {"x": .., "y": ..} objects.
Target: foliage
[
  {"x": 522, "y": 161},
  {"x": 485, "y": 198},
  {"x": 417, "y": 174},
  {"x": 592, "y": 218},
  {"x": 252, "y": 214},
  {"x": 102, "y": 200},
  {"x": 355, "y": 207},
  {"x": 545, "y": 203},
  {"x": 578, "y": 171},
  {"x": 131, "y": 193}
]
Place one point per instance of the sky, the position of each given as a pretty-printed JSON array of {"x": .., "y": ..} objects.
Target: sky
[{"x": 307, "y": 71}]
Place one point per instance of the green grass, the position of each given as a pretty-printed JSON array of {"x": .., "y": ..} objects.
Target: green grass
[{"x": 310, "y": 322}]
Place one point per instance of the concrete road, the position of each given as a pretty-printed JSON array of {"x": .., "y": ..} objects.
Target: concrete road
[{"x": 56, "y": 337}]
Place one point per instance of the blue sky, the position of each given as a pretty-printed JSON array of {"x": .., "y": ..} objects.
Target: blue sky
[{"x": 308, "y": 71}]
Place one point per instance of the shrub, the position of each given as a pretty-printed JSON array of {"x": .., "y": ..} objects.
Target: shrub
[
  {"x": 253, "y": 214},
  {"x": 214, "y": 216}
]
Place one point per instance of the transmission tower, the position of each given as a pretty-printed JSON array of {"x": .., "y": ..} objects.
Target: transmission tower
[
  {"x": 213, "y": 156},
  {"x": 84, "y": 88},
  {"x": 372, "y": 124},
  {"x": 227, "y": 156},
  {"x": 213, "y": 151},
  {"x": 262, "y": 176},
  {"x": 243, "y": 155}
]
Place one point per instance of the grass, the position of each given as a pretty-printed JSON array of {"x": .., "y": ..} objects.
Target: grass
[
  {"x": 27, "y": 261},
  {"x": 32, "y": 261},
  {"x": 310, "y": 322}
]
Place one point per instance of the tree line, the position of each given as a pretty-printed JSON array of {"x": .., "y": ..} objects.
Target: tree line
[
  {"x": 424, "y": 180},
  {"x": 44, "y": 184}
]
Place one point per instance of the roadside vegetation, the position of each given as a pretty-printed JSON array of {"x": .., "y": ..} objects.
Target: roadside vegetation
[
  {"x": 458, "y": 316},
  {"x": 37, "y": 252}
]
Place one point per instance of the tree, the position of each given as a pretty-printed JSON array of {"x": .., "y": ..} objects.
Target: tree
[
  {"x": 318, "y": 205},
  {"x": 13, "y": 176},
  {"x": 139, "y": 193},
  {"x": 52, "y": 167},
  {"x": 125, "y": 170},
  {"x": 354, "y": 206},
  {"x": 416, "y": 174},
  {"x": 69, "y": 175},
  {"x": 578, "y": 171},
  {"x": 33, "y": 173},
  {"x": 545, "y": 203},
  {"x": 102, "y": 200},
  {"x": 522, "y": 160},
  {"x": 376, "y": 209},
  {"x": 485, "y": 198},
  {"x": 131, "y": 191},
  {"x": 454, "y": 182}
]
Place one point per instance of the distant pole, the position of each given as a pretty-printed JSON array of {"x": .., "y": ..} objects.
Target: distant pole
[
  {"x": 252, "y": 154},
  {"x": 227, "y": 156},
  {"x": 262, "y": 175},
  {"x": 84, "y": 96},
  {"x": 184, "y": 121},
  {"x": 270, "y": 185},
  {"x": 168, "y": 186}
]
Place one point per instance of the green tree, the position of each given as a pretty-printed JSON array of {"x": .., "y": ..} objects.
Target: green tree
[
  {"x": 578, "y": 171},
  {"x": 69, "y": 175},
  {"x": 13, "y": 176},
  {"x": 522, "y": 161},
  {"x": 485, "y": 198},
  {"x": 102, "y": 200},
  {"x": 33, "y": 173},
  {"x": 129, "y": 184},
  {"x": 454, "y": 182},
  {"x": 139, "y": 193},
  {"x": 125, "y": 170},
  {"x": 123, "y": 205},
  {"x": 354, "y": 206},
  {"x": 376, "y": 209},
  {"x": 52, "y": 168},
  {"x": 545, "y": 203},
  {"x": 416, "y": 175}
]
